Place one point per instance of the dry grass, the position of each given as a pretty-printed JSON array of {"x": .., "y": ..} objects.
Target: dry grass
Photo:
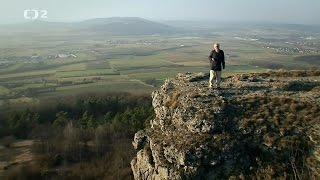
[
  {"x": 282, "y": 124},
  {"x": 173, "y": 102}
]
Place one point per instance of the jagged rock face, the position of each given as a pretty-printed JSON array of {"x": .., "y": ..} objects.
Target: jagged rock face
[{"x": 256, "y": 126}]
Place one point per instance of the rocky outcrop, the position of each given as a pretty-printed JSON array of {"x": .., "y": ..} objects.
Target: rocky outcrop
[{"x": 256, "y": 126}]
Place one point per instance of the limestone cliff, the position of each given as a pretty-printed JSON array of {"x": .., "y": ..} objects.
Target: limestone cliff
[{"x": 257, "y": 126}]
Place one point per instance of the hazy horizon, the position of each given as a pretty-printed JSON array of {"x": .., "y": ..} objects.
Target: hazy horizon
[{"x": 271, "y": 11}]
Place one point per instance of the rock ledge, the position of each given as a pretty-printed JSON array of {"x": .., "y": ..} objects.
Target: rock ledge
[{"x": 257, "y": 126}]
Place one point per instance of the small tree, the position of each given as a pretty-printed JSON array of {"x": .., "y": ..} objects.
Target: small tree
[
  {"x": 61, "y": 120},
  {"x": 108, "y": 117},
  {"x": 22, "y": 123},
  {"x": 87, "y": 121}
]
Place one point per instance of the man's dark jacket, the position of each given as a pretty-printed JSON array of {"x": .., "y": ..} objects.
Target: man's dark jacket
[{"x": 216, "y": 60}]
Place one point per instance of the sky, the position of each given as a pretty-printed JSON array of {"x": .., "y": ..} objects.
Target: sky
[{"x": 279, "y": 11}]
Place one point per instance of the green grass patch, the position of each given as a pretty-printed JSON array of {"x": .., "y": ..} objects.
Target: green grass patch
[
  {"x": 4, "y": 91},
  {"x": 73, "y": 67},
  {"x": 141, "y": 63},
  {"x": 98, "y": 65},
  {"x": 34, "y": 86},
  {"x": 95, "y": 72}
]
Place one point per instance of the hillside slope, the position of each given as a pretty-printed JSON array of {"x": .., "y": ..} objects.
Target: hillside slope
[{"x": 258, "y": 126}]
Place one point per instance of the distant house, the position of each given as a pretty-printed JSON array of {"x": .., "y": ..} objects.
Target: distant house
[
  {"x": 50, "y": 57},
  {"x": 65, "y": 55},
  {"x": 72, "y": 55},
  {"x": 35, "y": 57},
  {"x": 62, "y": 56}
]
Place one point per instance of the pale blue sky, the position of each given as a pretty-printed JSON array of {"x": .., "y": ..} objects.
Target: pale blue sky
[{"x": 286, "y": 11}]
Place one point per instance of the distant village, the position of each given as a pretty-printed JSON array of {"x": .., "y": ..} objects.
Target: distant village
[
  {"x": 301, "y": 45},
  {"x": 36, "y": 58},
  {"x": 39, "y": 58}
]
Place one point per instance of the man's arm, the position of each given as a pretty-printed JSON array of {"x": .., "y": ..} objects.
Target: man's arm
[
  {"x": 223, "y": 62},
  {"x": 210, "y": 56}
]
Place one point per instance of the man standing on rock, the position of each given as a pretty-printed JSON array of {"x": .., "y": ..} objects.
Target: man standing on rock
[{"x": 216, "y": 59}]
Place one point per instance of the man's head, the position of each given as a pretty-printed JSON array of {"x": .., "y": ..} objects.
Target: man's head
[{"x": 216, "y": 47}]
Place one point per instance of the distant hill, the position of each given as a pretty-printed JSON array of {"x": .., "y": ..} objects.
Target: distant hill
[
  {"x": 109, "y": 26},
  {"x": 126, "y": 26}
]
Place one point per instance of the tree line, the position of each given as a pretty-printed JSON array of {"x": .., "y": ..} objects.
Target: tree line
[{"x": 92, "y": 134}]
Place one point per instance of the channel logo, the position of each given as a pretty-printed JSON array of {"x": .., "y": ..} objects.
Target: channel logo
[{"x": 33, "y": 14}]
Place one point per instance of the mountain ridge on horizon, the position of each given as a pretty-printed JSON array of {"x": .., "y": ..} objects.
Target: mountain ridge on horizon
[
  {"x": 112, "y": 26},
  {"x": 141, "y": 26}
]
